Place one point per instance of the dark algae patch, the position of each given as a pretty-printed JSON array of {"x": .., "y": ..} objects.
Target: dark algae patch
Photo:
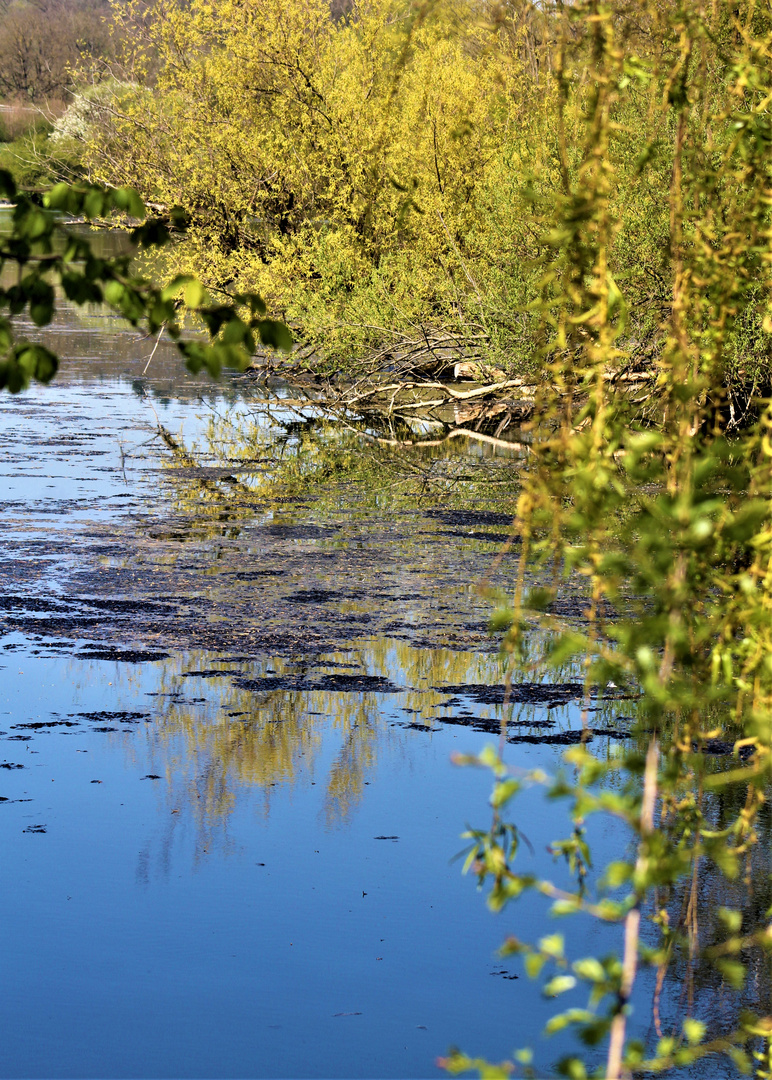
[
  {"x": 530, "y": 693},
  {"x": 123, "y": 656},
  {"x": 314, "y": 596},
  {"x": 107, "y": 716},
  {"x": 43, "y": 725},
  {"x": 337, "y": 683}
]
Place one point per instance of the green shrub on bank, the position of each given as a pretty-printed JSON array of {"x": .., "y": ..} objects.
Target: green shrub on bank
[
  {"x": 26, "y": 149},
  {"x": 414, "y": 166}
]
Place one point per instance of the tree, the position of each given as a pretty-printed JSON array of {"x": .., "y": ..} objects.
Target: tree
[
  {"x": 321, "y": 159},
  {"x": 42, "y": 41}
]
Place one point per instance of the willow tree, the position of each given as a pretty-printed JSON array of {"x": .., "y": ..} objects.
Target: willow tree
[
  {"x": 344, "y": 168},
  {"x": 666, "y": 516}
]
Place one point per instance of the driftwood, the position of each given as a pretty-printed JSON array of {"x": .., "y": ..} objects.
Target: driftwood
[
  {"x": 456, "y": 433},
  {"x": 385, "y": 391},
  {"x": 439, "y": 378},
  {"x": 391, "y": 412}
]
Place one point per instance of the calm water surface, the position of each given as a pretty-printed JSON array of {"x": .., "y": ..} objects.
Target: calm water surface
[{"x": 236, "y": 661}]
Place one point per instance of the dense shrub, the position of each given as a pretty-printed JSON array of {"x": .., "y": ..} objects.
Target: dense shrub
[{"x": 409, "y": 165}]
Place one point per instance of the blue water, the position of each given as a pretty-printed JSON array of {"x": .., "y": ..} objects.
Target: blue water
[
  {"x": 260, "y": 936},
  {"x": 281, "y": 900}
]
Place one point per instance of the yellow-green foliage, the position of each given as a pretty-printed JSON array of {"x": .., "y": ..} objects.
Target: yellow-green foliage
[
  {"x": 340, "y": 168},
  {"x": 413, "y": 163}
]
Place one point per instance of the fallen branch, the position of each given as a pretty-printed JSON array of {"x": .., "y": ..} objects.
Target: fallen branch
[{"x": 456, "y": 433}]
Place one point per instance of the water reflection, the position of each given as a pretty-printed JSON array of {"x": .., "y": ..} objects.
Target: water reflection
[
  {"x": 273, "y": 450},
  {"x": 225, "y": 726}
]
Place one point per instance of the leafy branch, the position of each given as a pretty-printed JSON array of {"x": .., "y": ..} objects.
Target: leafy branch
[{"x": 48, "y": 255}]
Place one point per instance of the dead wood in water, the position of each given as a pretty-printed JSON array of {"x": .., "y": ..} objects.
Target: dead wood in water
[
  {"x": 456, "y": 433},
  {"x": 488, "y": 405},
  {"x": 432, "y": 411}
]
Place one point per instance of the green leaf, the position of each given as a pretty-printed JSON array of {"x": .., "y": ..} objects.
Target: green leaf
[
  {"x": 154, "y": 233},
  {"x": 559, "y": 985},
  {"x": 195, "y": 295},
  {"x": 504, "y": 791},
  {"x": 566, "y": 906},
  {"x": 35, "y": 223},
  {"x": 694, "y": 1030},
  {"x": 194, "y": 354},
  {"x": 534, "y": 962},
  {"x": 129, "y": 201},
  {"x": 590, "y": 969},
  {"x": 7, "y": 186},
  {"x": 572, "y": 1067},
  {"x": 79, "y": 290},
  {"x": 41, "y": 306},
  {"x": 13, "y": 378},
  {"x": 58, "y": 198},
  {"x": 731, "y": 918},
  {"x": 233, "y": 356},
  {"x": 176, "y": 286},
  {"x": 275, "y": 334},
  {"x": 95, "y": 204},
  {"x": 235, "y": 331},
  {"x": 726, "y": 858},
  {"x": 114, "y": 293},
  {"x": 37, "y": 361},
  {"x": 255, "y": 303},
  {"x": 16, "y": 298},
  {"x": 489, "y": 757},
  {"x": 733, "y": 971},
  {"x": 564, "y": 1020},
  {"x": 618, "y": 873},
  {"x": 553, "y": 945},
  {"x": 457, "y": 1062}
]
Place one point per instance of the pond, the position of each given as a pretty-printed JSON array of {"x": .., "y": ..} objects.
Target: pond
[{"x": 241, "y": 642}]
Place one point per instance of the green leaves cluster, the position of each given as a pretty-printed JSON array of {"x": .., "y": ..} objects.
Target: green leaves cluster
[{"x": 42, "y": 258}]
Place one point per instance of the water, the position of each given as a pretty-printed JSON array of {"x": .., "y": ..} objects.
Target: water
[{"x": 239, "y": 647}]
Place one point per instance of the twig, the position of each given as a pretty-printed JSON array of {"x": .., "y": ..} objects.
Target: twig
[{"x": 157, "y": 343}]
